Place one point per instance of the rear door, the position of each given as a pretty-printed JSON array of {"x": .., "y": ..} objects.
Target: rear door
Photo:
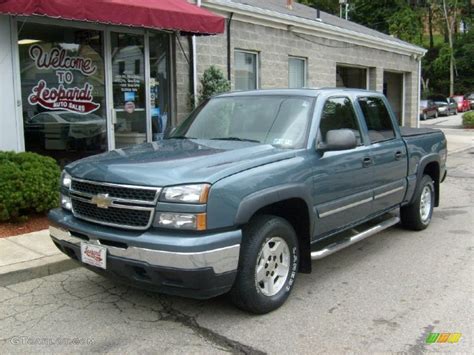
[{"x": 388, "y": 152}]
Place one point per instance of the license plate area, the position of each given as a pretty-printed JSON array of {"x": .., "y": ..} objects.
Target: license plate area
[{"x": 94, "y": 255}]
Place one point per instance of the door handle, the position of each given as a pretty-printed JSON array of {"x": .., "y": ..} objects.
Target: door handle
[
  {"x": 398, "y": 155},
  {"x": 367, "y": 162}
]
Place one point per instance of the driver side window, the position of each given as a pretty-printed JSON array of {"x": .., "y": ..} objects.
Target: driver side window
[{"x": 338, "y": 113}]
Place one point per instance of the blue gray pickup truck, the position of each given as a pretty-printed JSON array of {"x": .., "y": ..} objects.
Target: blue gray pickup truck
[{"x": 247, "y": 191}]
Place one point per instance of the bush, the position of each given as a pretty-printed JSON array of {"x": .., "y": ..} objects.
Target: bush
[
  {"x": 29, "y": 183},
  {"x": 213, "y": 82},
  {"x": 468, "y": 120}
]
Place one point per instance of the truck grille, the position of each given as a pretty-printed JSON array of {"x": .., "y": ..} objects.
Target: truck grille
[
  {"x": 123, "y": 206},
  {"x": 119, "y": 191}
]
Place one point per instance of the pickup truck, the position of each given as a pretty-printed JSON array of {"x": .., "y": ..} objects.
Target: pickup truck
[{"x": 247, "y": 191}]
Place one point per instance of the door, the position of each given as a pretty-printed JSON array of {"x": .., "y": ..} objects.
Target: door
[
  {"x": 128, "y": 85},
  {"x": 388, "y": 152},
  {"x": 342, "y": 179}
]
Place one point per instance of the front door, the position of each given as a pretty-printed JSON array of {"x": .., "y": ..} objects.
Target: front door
[
  {"x": 129, "y": 93},
  {"x": 342, "y": 179}
]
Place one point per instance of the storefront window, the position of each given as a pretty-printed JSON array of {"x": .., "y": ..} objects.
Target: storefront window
[
  {"x": 159, "y": 84},
  {"x": 63, "y": 91}
]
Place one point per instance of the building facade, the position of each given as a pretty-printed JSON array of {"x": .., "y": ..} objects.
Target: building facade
[
  {"x": 269, "y": 45},
  {"x": 71, "y": 89}
]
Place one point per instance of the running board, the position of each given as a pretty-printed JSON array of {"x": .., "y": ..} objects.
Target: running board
[{"x": 330, "y": 249}]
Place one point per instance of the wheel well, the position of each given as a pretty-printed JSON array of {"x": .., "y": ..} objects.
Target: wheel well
[
  {"x": 295, "y": 211},
  {"x": 432, "y": 169}
]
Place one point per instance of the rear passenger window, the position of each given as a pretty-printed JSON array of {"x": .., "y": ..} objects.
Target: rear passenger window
[
  {"x": 338, "y": 113},
  {"x": 377, "y": 117}
]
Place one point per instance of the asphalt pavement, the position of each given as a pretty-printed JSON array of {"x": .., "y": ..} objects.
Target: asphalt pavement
[{"x": 384, "y": 294}]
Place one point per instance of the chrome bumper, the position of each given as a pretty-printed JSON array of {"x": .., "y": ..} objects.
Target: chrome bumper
[{"x": 221, "y": 260}]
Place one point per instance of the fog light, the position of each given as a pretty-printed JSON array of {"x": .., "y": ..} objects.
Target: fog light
[
  {"x": 66, "y": 202},
  {"x": 187, "y": 221}
]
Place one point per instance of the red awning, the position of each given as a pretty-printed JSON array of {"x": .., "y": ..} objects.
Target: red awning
[{"x": 157, "y": 14}]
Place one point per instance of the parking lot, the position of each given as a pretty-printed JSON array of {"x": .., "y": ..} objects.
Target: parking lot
[{"x": 385, "y": 294}]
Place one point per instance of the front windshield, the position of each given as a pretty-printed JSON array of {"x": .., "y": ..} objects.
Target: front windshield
[{"x": 277, "y": 120}]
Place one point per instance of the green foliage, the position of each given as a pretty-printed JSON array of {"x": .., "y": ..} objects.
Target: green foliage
[
  {"x": 468, "y": 120},
  {"x": 213, "y": 82},
  {"x": 406, "y": 24},
  {"x": 29, "y": 183}
]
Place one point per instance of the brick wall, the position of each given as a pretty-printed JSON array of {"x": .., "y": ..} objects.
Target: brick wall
[{"x": 275, "y": 45}]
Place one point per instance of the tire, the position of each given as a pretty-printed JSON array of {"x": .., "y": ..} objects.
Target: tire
[
  {"x": 262, "y": 292},
  {"x": 436, "y": 114},
  {"x": 424, "y": 117},
  {"x": 417, "y": 215}
]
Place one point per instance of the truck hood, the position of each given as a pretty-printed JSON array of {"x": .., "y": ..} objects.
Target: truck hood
[{"x": 174, "y": 162}]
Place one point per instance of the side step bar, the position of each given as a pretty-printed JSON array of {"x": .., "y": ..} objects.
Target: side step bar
[{"x": 330, "y": 249}]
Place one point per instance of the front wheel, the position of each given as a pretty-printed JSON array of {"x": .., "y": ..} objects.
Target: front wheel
[
  {"x": 417, "y": 215},
  {"x": 268, "y": 265}
]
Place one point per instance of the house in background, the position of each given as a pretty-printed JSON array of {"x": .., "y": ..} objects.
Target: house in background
[{"x": 281, "y": 43}]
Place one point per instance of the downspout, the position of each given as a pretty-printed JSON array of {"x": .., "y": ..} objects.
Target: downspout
[
  {"x": 193, "y": 44},
  {"x": 419, "y": 94},
  {"x": 229, "y": 47}
]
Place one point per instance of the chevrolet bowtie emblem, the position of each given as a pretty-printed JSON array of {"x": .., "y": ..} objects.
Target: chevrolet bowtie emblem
[{"x": 102, "y": 200}]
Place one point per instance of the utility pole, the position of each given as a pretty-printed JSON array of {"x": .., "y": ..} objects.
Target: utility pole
[{"x": 344, "y": 7}]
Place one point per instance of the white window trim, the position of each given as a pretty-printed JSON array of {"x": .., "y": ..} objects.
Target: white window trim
[
  {"x": 305, "y": 69},
  {"x": 257, "y": 65}
]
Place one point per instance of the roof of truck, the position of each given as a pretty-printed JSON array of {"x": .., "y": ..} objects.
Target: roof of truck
[{"x": 311, "y": 92}]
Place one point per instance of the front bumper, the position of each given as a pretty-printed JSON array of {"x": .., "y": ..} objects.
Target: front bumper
[{"x": 184, "y": 264}]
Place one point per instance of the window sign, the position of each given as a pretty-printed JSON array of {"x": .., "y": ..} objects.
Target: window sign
[
  {"x": 63, "y": 90},
  {"x": 58, "y": 97}
]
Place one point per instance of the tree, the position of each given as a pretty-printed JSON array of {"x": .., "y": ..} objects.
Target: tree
[
  {"x": 213, "y": 82},
  {"x": 450, "y": 12},
  {"x": 406, "y": 24}
]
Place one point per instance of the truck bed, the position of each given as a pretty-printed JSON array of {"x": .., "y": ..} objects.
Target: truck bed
[{"x": 410, "y": 132}]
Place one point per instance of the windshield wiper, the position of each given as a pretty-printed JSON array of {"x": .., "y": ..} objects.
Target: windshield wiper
[{"x": 235, "y": 139}]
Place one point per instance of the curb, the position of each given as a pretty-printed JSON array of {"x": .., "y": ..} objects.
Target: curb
[{"x": 29, "y": 270}]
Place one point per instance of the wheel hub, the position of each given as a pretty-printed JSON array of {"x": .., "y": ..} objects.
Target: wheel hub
[
  {"x": 425, "y": 204},
  {"x": 273, "y": 266}
]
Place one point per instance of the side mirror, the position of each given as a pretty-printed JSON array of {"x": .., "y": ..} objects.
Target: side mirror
[{"x": 338, "y": 139}]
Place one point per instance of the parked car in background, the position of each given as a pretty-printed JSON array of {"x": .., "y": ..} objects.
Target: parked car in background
[
  {"x": 470, "y": 98},
  {"x": 446, "y": 105},
  {"x": 463, "y": 104},
  {"x": 428, "y": 109},
  {"x": 58, "y": 130}
]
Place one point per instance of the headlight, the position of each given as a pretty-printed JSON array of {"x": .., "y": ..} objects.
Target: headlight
[
  {"x": 186, "y": 193},
  {"x": 66, "y": 180},
  {"x": 66, "y": 202},
  {"x": 188, "y": 221}
]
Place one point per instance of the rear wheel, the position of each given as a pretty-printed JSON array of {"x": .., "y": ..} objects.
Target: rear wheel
[
  {"x": 417, "y": 215},
  {"x": 268, "y": 265},
  {"x": 424, "y": 117},
  {"x": 436, "y": 114}
]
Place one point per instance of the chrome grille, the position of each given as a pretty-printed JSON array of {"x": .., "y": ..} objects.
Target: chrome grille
[
  {"x": 127, "y": 206},
  {"x": 126, "y": 192}
]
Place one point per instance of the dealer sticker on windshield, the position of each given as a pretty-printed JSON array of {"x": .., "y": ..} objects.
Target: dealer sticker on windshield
[{"x": 94, "y": 255}]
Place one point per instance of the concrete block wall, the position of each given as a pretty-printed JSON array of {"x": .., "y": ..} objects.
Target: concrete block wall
[{"x": 275, "y": 45}]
